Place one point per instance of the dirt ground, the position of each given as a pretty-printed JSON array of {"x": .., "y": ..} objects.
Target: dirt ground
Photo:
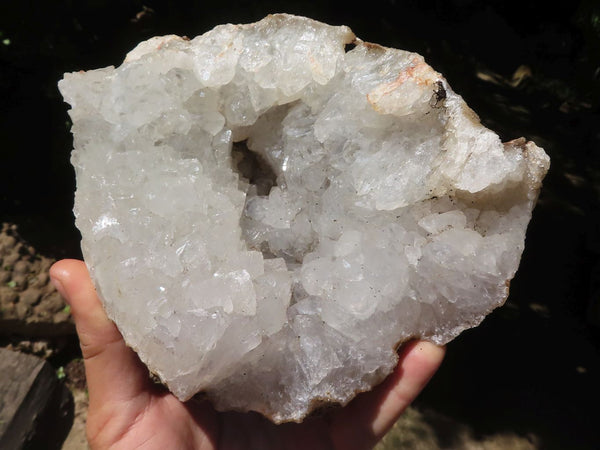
[{"x": 527, "y": 378}]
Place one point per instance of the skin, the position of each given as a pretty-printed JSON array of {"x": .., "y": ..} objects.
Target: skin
[{"x": 128, "y": 411}]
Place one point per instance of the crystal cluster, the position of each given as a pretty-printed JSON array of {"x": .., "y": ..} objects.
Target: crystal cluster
[{"x": 373, "y": 208}]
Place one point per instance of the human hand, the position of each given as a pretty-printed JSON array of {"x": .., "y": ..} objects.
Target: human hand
[{"x": 127, "y": 410}]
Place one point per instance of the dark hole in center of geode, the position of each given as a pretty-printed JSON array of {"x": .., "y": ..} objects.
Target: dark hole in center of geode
[{"x": 253, "y": 167}]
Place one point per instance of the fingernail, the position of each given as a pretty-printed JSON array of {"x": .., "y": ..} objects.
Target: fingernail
[{"x": 59, "y": 286}]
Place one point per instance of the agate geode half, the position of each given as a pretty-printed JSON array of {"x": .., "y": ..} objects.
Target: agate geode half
[{"x": 267, "y": 212}]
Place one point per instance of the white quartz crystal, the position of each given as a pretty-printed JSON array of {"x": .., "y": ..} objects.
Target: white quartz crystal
[{"x": 393, "y": 213}]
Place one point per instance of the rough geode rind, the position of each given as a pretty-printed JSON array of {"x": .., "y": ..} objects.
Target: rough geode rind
[{"x": 395, "y": 214}]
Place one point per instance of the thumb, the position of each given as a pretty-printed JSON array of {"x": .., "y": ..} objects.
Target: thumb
[{"x": 113, "y": 370}]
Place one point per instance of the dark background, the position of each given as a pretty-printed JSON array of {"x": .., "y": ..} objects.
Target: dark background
[{"x": 533, "y": 367}]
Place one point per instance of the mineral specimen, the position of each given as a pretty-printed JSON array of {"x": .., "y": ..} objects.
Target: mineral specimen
[{"x": 267, "y": 214}]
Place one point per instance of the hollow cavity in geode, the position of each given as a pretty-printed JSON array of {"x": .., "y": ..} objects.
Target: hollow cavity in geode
[{"x": 378, "y": 209}]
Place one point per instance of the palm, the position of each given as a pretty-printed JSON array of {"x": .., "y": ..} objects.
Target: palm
[{"x": 128, "y": 411}]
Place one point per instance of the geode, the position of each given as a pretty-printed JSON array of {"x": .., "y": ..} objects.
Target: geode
[{"x": 269, "y": 210}]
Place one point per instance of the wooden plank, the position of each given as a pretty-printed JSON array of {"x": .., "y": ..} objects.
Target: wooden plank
[{"x": 34, "y": 406}]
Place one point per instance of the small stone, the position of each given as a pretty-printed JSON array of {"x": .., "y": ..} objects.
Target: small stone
[
  {"x": 365, "y": 205},
  {"x": 11, "y": 258},
  {"x": 40, "y": 280},
  {"x": 8, "y": 295},
  {"x": 19, "y": 281},
  {"x": 6, "y": 244},
  {"x": 21, "y": 267},
  {"x": 5, "y": 276},
  {"x": 30, "y": 297},
  {"x": 7, "y": 311},
  {"x": 54, "y": 302},
  {"x": 22, "y": 310},
  {"x": 61, "y": 316}
]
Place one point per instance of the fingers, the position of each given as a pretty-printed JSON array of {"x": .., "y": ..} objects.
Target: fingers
[
  {"x": 369, "y": 416},
  {"x": 113, "y": 370},
  {"x": 419, "y": 361}
]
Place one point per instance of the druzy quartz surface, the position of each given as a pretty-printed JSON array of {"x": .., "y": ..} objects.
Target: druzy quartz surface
[{"x": 267, "y": 212}]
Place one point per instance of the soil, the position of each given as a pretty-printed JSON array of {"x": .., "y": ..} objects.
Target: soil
[
  {"x": 29, "y": 303},
  {"x": 527, "y": 378}
]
